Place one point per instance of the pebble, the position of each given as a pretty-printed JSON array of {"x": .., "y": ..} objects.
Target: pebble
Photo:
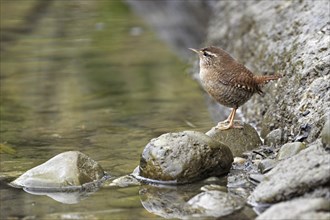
[
  {"x": 266, "y": 165},
  {"x": 290, "y": 149}
]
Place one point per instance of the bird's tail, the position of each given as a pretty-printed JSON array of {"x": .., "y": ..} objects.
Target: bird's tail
[{"x": 262, "y": 80}]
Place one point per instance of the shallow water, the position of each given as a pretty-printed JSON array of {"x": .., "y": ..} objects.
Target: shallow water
[{"x": 87, "y": 76}]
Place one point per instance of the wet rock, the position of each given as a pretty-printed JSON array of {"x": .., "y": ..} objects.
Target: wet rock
[
  {"x": 317, "y": 208},
  {"x": 294, "y": 176},
  {"x": 290, "y": 149},
  {"x": 184, "y": 157},
  {"x": 266, "y": 165},
  {"x": 215, "y": 203},
  {"x": 325, "y": 134},
  {"x": 238, "y": 140},
  {"x": 275, "y": 137},
  {"x": 71, "y": 168}
]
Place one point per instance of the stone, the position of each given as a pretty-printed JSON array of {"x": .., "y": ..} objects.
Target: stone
[
  {"x": 294, "y": 176},
  {"x": 215, "y": 203},
  {"x": 184, "y": 157},
  {"x": 239, "y": 160},
  {"x": 275, "y": 137},
  {"x": 290, "y": 149},
  {"x": 266, "y": 165},
  {"x": 302, "y": 208},
  {"x": 124, "y": 181},
  {"x": 238, "y": 180},
  {"x": 68, "y": 169},
  {"x": 238, "y": 140},
  {"x": 256, "y": 178}
]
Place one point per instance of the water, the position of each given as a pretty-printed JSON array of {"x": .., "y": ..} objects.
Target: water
[{"x": 87, "y": 76}]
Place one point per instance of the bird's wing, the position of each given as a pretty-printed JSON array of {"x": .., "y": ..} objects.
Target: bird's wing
[{"x": 240, "y": 77}]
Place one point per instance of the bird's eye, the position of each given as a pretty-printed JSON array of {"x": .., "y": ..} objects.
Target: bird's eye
[{"x": 206, "y": 54}]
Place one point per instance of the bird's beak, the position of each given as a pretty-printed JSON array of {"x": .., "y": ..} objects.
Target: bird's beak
[{"x": 196, "y": 51}]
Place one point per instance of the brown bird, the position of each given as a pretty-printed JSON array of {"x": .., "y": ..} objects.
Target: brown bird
[{"x": 227, "y": 81}]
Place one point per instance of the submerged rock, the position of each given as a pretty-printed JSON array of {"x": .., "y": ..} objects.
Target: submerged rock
[
  {"x": 184, "y": 157},
  {"x": 182, "y": 202},
  {"x": 125, "y": 181},
  {"x": 238, "y": 140},
  {"x": 71, "y": 168},
  {"x": 215, "y": 203},
  {"x": 294, "y": 176},
  {"x": 165, "y": 202},
  {"x": 317, "y": 208},
  {"x": 290, "y": 149}
]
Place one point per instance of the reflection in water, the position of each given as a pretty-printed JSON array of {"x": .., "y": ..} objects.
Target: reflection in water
[
  {"x": 188, "y": 201},
  {"x": 63, "y": 197},
  {"x": 67, "y": 194}
]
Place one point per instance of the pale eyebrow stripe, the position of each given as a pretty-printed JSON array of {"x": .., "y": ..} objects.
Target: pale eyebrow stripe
[{"x": 212, "y": 54}]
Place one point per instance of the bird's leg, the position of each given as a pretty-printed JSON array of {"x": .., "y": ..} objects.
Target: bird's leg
[
  {"x": 228, "y": 119},
  {"x": 231, "y": 122}
]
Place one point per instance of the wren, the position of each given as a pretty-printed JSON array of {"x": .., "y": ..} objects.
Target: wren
[{"x": 229, "y": 82}]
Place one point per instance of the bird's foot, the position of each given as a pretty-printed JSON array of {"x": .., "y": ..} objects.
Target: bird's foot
[{"x": 224, "y": 126}]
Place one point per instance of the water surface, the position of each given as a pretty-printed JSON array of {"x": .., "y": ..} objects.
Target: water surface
[{"x": 87, "y": 76}]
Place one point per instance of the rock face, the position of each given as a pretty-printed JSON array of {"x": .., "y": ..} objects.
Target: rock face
[
  {"x": 294, "y": 176},
  {"x": 317, "y": 208},
  {"x": 325, "y": 135},
  {"x": 288, "y": 37},
  {"x": 71, "y": 168},
  {"x": 184, "y": 157},
  {"x": 238, "y": 140}
]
